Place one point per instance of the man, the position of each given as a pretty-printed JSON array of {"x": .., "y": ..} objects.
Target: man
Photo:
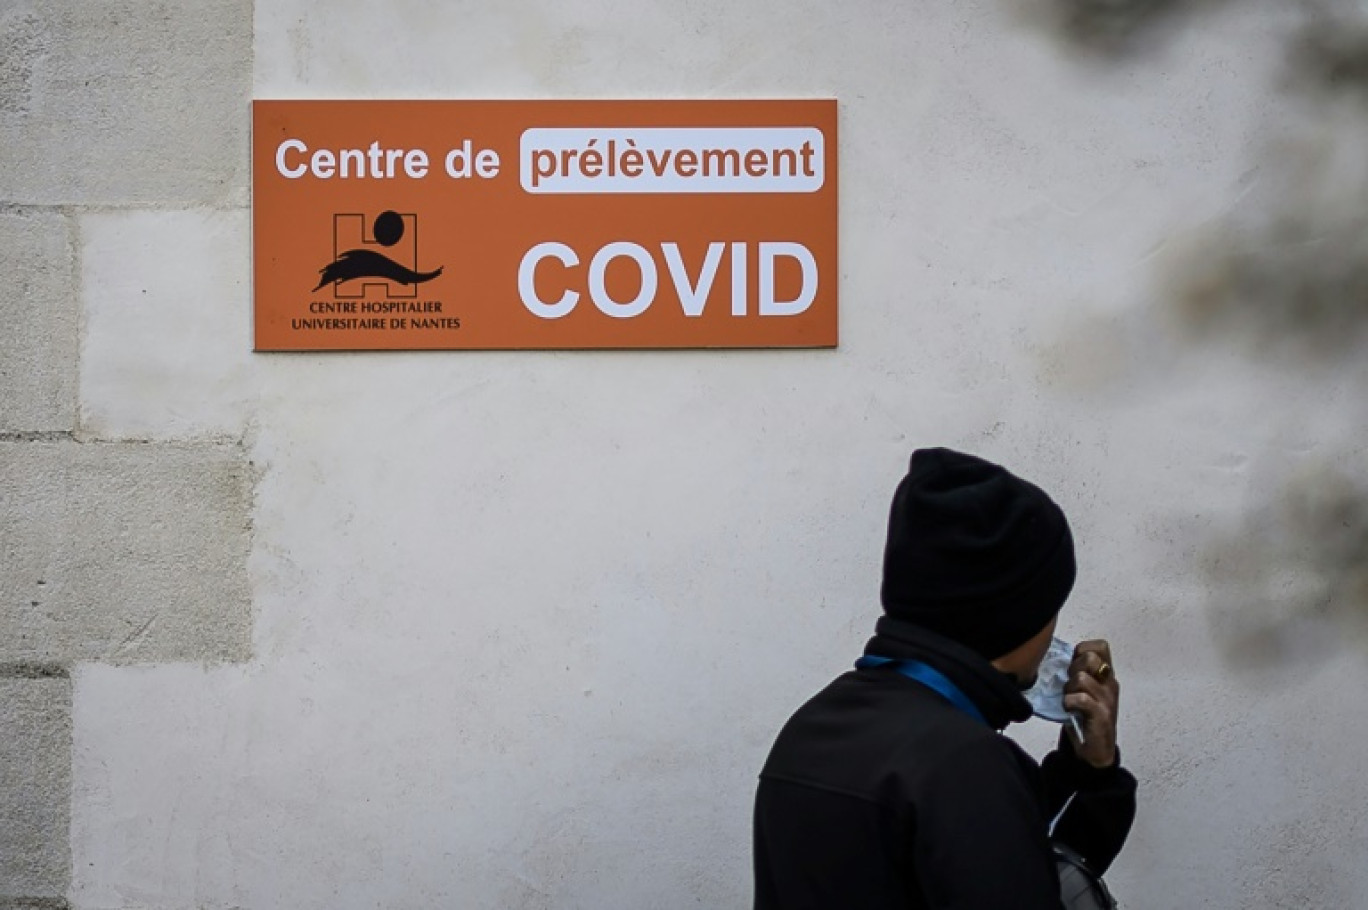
[{"x": 893, "y": 788}]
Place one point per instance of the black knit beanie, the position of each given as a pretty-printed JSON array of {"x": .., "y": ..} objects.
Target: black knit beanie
[{"x": 975, "y": 553}]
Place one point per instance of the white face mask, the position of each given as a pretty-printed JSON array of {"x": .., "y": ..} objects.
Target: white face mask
[{"x": 1047, "y": 695}]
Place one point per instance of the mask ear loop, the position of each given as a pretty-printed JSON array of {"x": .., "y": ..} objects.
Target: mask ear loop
[
  {"x": 1077, "y": 730},
  {"x": 1054, "y": 822}
]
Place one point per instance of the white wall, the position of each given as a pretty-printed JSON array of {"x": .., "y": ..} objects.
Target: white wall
[{"x": 526, "y": 623}]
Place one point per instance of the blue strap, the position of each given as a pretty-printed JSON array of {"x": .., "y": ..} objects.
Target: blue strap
[{"x": 928, "y": 676}]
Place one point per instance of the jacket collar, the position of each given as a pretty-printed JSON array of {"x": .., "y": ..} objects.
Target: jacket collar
[{"x": 992, "y": 691}]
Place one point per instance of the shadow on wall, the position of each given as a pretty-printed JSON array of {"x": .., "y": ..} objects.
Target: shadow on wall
[
  {"x": 1294, "y": 284},
  {"x": 1285, "y": 272},
  {"x": 1294, "y": 275},
  {"x": 1114, "y": 28},
  {"x": 1283, "y": 277},
  {"x": 1291, "y": 278},
  {"x": 1291, "y": 584},
  {"x": 1331, "y": 55}
]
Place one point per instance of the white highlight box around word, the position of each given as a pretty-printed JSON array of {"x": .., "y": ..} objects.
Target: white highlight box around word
[{"x": 672, "y": 160}]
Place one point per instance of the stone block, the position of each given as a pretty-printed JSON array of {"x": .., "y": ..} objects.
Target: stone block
[
  {"x": 124, "y": 552},
  {"x": 125, "y": 101},
  {"x": 167, "y": 340},
  {"x": 35, "y": 788},
  {"x": 38, "y": 310}
]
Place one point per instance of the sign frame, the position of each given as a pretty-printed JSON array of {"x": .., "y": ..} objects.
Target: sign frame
[{"x": 544, "y": 225}]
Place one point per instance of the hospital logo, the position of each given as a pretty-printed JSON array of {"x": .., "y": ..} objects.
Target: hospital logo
[{"x": 375, "y": 257}]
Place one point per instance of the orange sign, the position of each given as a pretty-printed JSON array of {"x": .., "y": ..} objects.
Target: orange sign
[{"x": 543, "y": 224}]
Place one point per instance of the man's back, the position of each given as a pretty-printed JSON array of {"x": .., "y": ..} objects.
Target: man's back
[{"x": 878, "y": 793}]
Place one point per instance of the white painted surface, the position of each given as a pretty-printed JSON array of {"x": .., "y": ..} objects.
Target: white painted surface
[
  {"x": 527, "y": 623},
  {"x": 167, "y": 302}
]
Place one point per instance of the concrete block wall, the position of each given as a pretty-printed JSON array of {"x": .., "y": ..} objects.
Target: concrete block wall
[
  {"x": 124, "y": 552},
  {"x": 124, "y": 504},
  {"x": 35, "y": 781},
  {"x": 38, "y": 357},
  {"x": 515, "y": 630},
  {"x": 125, "y": 102}
]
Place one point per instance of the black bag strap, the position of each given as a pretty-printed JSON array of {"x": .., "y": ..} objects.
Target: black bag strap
[{"x": 1079, "y": 886}]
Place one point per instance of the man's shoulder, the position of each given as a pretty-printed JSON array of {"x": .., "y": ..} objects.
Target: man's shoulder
[{"x": 871, "y": 735}]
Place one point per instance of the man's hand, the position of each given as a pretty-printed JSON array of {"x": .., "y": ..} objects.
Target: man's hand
[{"x": 1092, "y": 693}]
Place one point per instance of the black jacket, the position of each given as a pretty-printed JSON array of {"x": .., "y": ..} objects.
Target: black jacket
[{"x": 879, "y": 793}]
